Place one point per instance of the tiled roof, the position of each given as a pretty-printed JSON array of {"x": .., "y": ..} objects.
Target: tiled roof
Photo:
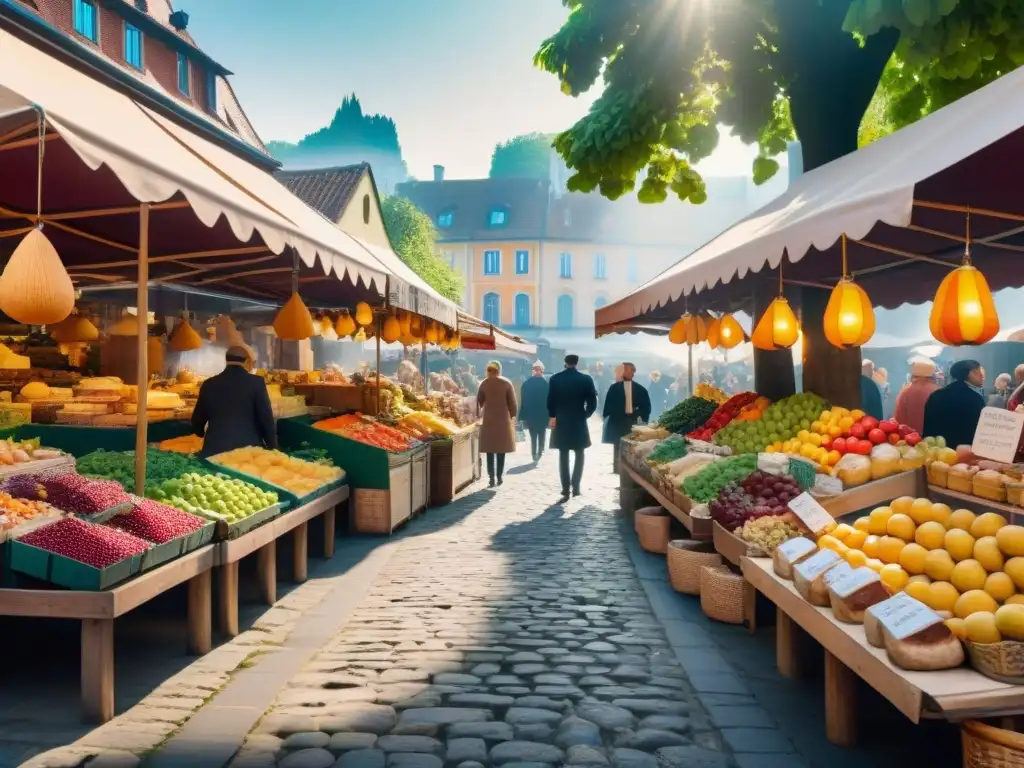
[
  {"x": 327, "y": 190},
  {"x": 471, "y": 201}
]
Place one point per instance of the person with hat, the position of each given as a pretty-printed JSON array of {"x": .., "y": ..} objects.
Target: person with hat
[
  {"x": 233, "y": 409},
  {"x": 533, "y": 409},
  {"x": 953, "y": 411},
  {"x": 911, "y": 400}
]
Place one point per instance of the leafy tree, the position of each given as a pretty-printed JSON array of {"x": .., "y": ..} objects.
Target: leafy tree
[
  {"x": 674, "y": 69},
  {"x": 414, "y": 239},
  {"x": 523, "y": 156}
]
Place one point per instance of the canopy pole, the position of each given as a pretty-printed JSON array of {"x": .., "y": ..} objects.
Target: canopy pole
[
  {"x": 689, "y": 369},
  {"x": 376, "y": 337},
  {"x": 142, "y": 370}
]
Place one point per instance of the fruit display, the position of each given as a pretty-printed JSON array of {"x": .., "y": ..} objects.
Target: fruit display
[
  {"x": 187, "y": 444},
  {"x": 669, "y": 449},
  {"x": 70, "y": 492},
  {"x": 97, "y": 545},
  {"x": 120, "y": 466},
  {"x": 724, "y": 414},
  {"x": 705, "y": 485},
  {"x": 779, "y": 422},
  {"x": 755, "y": 496},
  {"x": 424, "y": 425},
  {"x": 769, "y": 532},
  {"x": 213, "y": 497},
  {"x": 17, "y": 512},
  {"x": 25, "y": 452},
  {"x": 156, "y": 522},
  {"x": 710, "y": 392},
  {"x": 687, "y": 415},
  {"x": 365, "y": 430},
  {"x": 279, "y": 469}
]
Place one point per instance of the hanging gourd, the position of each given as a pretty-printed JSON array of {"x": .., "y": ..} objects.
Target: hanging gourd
[
  {"x": 155, "y": 356},
  {"x": 713, "y": 332},
  {"x": 391, "y": 330},
  {"x": 185, "y": 338},
  {"x": 364, "y": 315},
  {"x": 406, "y": 340},
  {"x": 849, "y": 319},
  {"x": 35, "y": 289},
  {"x": 416, "y": 327},
  {"x": 405, "y": 323},
  {"x": 128, "y": 325},
  {"x": 430, "y": 335},
  {"x": 293, "y": 321},
  {"x": 730, "y": 332},
  {"x": 345, "y": 326},
  {"x": 677, "y": 334},
  {"x": 964, "y": 313},
  {"x": 326, "y": 326},
  {"x": 74, "y": 329}
]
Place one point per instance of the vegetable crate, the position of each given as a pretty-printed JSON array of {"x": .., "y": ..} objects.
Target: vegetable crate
[
  {"x": 286, "y": 499},
  {"x": 169, "y": 550},
  {"x": 381, "y": 511},
  {"x": 65, "y": 572},
  {"x": 227, "y": 532}
]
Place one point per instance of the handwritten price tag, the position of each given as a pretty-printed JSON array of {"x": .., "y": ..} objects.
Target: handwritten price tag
[
  {"x": 852, "y": 581},
  {"x": 817, "y": 564},
  {"x": 811, "y": 513},
  {"x": 794, "y": 549},
  {"x": 998, "y": 435},
  {"x": 906, "y": 617}
]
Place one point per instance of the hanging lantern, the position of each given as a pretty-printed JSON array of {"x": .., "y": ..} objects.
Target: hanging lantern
[
  {"x": 185, "y": 338},
  {"x": 364, "y": 315},
  {"x": 345, "y": 326},
  {"x": 128, "y": 325},
  {"x": 457, "y": 342},
  {"x": 730, "y": 332},
  {"x": 416, "y": 326},
  {"x": 963, "y": 313},
  {"x": 430, "y": 335},
  {"x": 35, "y": 289},
  {"x": 778, "y": 327},
  {"x": 406, "y": 340},
  {"x": 404, "y": 323},
  {"x": 74, "y": 329},
  {"x": 391, "y": 330},
  {"x": 155, "y": 356},
  {"x": 697, "y": 328},
  {"x": 293, "y": 321},
  {"x": 677, "y": 334},
  {"x": 849, "y": 320},
  {"x": 714, "y": 330}
]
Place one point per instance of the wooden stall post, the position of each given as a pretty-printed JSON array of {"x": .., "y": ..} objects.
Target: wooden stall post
[
  {"x": 266, "y": 570},
  {"x": 840, "y": 702},
  {"x": 300, "y": 553},
  {"x": 98, "y": 669},
  {"x": 787, "y": 639},
  {"x": 200, "y": 609},
  {"x": 142, "y": 351},
  {"x": 228, "y": 577},
  {"x": 774, "y": 376},
  {"x": 330, "y": 521},
  {"x": 376, "y": 337}
]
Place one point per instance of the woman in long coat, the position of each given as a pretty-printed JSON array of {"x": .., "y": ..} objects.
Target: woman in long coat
[{"x": 496, "y": 400}]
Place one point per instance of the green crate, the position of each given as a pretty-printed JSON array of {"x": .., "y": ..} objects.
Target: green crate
[
  {"x": 226, "y": 532},
  {"x": 286, "y": 499},
  {"x": 69, "y": 573},
  {"x": 159, "y": 554}
]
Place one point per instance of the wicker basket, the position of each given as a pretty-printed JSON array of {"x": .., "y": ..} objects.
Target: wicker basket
[
  {"x": 1000, "y": 661},
  {"x": 685, "y": 560},
  {"x": 986, "y": 746},
  {"x": 722, "y": 594},
  {"x": 652, "y": 528}
]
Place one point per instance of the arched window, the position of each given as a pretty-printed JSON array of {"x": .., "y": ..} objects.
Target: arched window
[
  {"x": 565, "y": 311},
  {"x": 492, "y": 309},
  {"x": 600, "y": 301},
  {"x": 522, "y": 318},
  {"x": 366, "y": 209}
]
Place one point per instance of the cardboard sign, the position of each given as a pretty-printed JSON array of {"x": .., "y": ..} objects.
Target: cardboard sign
[
  {"x": 817, "y": 564},
  {"x": 998, "y": 435},
  {"x": 851, "y": 582},
  {"x": 794, "y": 549},
  {"x": 811, "y": 513},
  {"x": 906, "y": 618}
]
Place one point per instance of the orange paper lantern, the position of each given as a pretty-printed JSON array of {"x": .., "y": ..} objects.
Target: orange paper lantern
[
  {"x": 778, "y": 327},
  {"x": 849, "y": 319},
  {"x": 714, "y": 332},
  {"x": 963, "y": 312},
  {"x": 730, "y": 332},
  {"x": 677, "y": 334},
  {"x": 697, "y": 328}
]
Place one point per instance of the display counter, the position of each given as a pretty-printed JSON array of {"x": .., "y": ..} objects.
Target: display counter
[{"x": 678, "y": 505}]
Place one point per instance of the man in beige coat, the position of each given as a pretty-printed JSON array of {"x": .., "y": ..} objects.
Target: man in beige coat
[{"x": 496, "y": 402}]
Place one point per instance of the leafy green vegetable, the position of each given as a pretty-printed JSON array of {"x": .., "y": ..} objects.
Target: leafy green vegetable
[
  {"x": 688, "y": 415},
  {"x": 669, "y": 449},
  {"x": 120, "y": 466}
]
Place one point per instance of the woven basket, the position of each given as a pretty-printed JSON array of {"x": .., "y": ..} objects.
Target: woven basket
[
  {"x": 1000, "y": 661},
  {"x": 685, "y": 560},
  {"x": 722, "y": 593},
  {"x": 652, "y": 528},
  {"x": 986, "y": 746},
  {"x": 371, "y": 511}
]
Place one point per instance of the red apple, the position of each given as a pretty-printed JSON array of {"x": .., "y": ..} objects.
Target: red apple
[
  {"x": 895, "y": 439},
  {"x": 913, "y": 439},
  {"x": 869, "y": 423},
  {"x": 876, "y": 436},
  {"x": 840, "y": 444},
  {"x": 858, "y": 431},
  {"x": 889, "y": 426}
]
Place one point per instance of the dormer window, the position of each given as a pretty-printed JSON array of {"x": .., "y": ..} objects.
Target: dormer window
[
  {"x": 184, "y": 75},
  {"x": 445, "y": 219},
  {"x": 498, "y": 217},
  {"x": 133, "y": 45}
]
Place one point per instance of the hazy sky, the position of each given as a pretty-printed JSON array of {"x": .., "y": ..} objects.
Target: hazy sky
[{"x": 456, "y": 76}]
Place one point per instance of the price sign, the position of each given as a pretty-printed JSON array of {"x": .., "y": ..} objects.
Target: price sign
[
  {"x": 838, "y": 573},
  {"x": 852, "y": 581},
  {"x": 906, "y": 617},
  {"x": 794, "y": 549},
  {"x": 817, "y": 564},
  {"x": 811, "y": 513},
  {"x": 998, "y": 435}
]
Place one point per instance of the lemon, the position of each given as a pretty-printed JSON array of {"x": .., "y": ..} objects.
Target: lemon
[
  {"x": 939, "y": 565},
  {"x": 870, "y": 546},
  {"x": 878, "y": 520},
  {"x": 894, "y": 577},
  {"x": 942, "y": 596},
  {"x": 986, "y": 552},
  {"x": 920, "y": 578},
  {"x": 1015, "y": 570},
  {"x": 930, "y": 535},
  {"x": 1015, "y": 600},
  {"x": 841, "y": 531},
  {"x": 1010, "y": 621},
  {"x": 981, "y": 628},
  {"x": 959, "y": 544},
  {"x": 962, "y": 519},
  {"x": 856, "y": 558},
  {"x": 901, "y": 506},
  {"x": 920, "y": 510},
  {"x": 968, "y": 575},
  {"x": 889, "y": 548},
  {"x": 918, "y": 590},
  {"x": 1010, "y": 539},
  {"x": 855, "y": 539},
  {"x": 901, "y": 526},
  {"x": 912, "y": 558},
  {"x": 862, "y": 524},
  {"x": 1000, "y": 586},
  {"x": 958, "y": 627},
  {"x": 974, "y": 601},
  {"x": 987, "y": 524},
  {"x": 828, "y": 542}
]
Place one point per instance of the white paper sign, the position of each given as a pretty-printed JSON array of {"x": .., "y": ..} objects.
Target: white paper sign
[
  {"x": 838, "y": 573},
  {"x": 810, "y": 512},
  {"x": 998, "y": 435},
  {"x": 851, "y": 582},
  {"x": 794, "y": 549},
  {"x": 817, "y": 564},
  {"x": 906, "y": 618}
]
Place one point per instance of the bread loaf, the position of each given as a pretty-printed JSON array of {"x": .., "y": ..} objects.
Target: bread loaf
[
  {"x": 852, "y": 594},
  {"x": 789, "y": 554},
  {"x": 873, "y": 629},
  {"x": 809, "y": 576},
  {"x": 934, "y": 647}
]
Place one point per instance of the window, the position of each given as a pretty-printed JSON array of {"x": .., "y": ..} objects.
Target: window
[
  {"x": 133, "y": 45},
  {"x": 522, "y": 262},
  {"x": 444, "y": 220},
  {"x": 87, "y": 20},
  {"x": 522, "y": 318},
  {"x": 498, "y": 217},
  {"x": 184, "y": 75},
  {"x": 211, "y": 92},
  {"x": 492, "y": 309},
  {"x": 492, "y": 262},
  {"x": 366, "y": 209},
  {"x": 633, "y": 270},
  {"x": 565, "y": 311},
  {"x": 600, "y": 267},
  {"x": 565, "y": 265},
  {"x": 600, "y": 301}
]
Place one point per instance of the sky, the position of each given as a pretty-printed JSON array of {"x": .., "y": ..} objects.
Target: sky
[{"x": 457, "y": 76}]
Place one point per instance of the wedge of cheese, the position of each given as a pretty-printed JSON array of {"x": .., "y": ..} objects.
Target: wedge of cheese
[
  {"x": 854, "y": 592},
  {"x": 809, "y": 576}
]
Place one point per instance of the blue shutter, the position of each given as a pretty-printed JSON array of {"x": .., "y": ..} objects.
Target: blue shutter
[
  {"x": 522, "y": 319},
  {"x": 184, "y": 81},
  {"x": 492, "y": 309},
  {"x": 86, "y": 23},
  {"x": 565, "y": 311}
]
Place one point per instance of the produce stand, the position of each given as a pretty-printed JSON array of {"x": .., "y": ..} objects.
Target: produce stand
[
  {"x": 953, "y": 695},
  {"x": 97, "y": 611},
  {"x": 700, "y": 528},
  {"x": 876, "y": 493},
  {"x": 976, "y": 503},
  {"x": 452, "y": 467}
]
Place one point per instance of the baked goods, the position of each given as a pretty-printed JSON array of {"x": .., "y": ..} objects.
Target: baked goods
[
  {"x": 853, "y": 593},
  {"x": 961, "y": 478},
  {"x": 809, "y": 576},
  {"x": 938, "y": 473},
  {"x": 789, "y": 554},
  {"x": 872, "y": 624},
  {"x": 934, "y": 647},
  {"x": 989, "y": 484}
]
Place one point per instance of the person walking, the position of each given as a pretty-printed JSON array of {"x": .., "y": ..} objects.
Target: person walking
[
  {"x": 628, "y": 403},
  {"x": 233, "y": 409},
  {"x": 533, "y": 410},
  {"x": 912, "y": 398},
  {"x": 953, "y": 411},
  {"x": 572, "y": 400},
  {"x": 496, "y": 399}
]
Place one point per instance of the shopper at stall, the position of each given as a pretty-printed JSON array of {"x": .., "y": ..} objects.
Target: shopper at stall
[
  {"x": 572, "y": 400},
  {"x": 533, "y": 410},
  {"x": 496, "y": 400},
  {"x": 953, "y": 411},
  {"x": 628, "y": 403},
  {"x": 911, "y": 400},
  {"x": 1001, "y": 391},
  {"x": 233, "y": 409},
  {"x": 870, "y": 394}
]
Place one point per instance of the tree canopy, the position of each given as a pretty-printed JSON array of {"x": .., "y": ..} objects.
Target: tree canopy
[
  {"x": 414, "y": 239},
  {"x": 522, "y": 156},
  {"x": 771, "y": 70}
]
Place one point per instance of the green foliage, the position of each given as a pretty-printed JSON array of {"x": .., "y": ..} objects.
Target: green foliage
[
  {"x": 673, "y": 70},
  {"x": 523, "y": 156},
  {"x": 414, "y": 239}
]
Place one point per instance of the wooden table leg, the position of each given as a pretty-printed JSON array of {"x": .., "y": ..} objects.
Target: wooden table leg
[
  {"x": 330, "y": 517},
  {"x": 840, "y": 702},
  {"x": 266, "y": 569},
  {"x": 228, "y": 577},
  {"x": 300, "y": 553},
  {"x": 200, "y": 613},
  {"x": 787, "y": 641},
  {"x": 98, "y": 669},
  {"x": 750, "y": 607}
]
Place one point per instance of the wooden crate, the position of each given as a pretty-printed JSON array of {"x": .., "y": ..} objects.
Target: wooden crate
[{"x": 381, "y": 511}]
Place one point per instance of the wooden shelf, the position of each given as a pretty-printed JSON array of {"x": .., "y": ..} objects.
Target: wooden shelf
[
  {"x": 699, "y": 528},
  {"x": 976, "y": 503}
]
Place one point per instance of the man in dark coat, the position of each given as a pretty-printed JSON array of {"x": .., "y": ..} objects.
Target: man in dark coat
[
  {"x": 533, "y": 409},
  {"x": 627, "y": 403},
  {"x": 233, "y": 409},
  {"x": 953, "y": 412},
  {"x": 572, "y": 399}
]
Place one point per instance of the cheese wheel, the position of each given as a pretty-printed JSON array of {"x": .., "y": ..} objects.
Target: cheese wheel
[{"x": 933, "y": 648}]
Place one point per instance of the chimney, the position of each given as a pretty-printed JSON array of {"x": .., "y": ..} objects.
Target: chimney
[{"x": 438, "y": 173}]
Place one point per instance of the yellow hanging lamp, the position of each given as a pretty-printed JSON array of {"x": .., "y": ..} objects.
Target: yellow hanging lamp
[
  {"x": 74, "y": 329},
  {"x": 778, "y": 327},
  {"x": 364, "y": 315},
  {"x": 293, "y": 321},
  {"x": 964, "y": 313},
  {"x": 849, "y": 319},
  {"x": 345, "y": 326},
  {"x": 677, "y": 334},
  {"x": 730, "y": 332},
  {"x": 185, "y": 338},
  {"x": 391, "y": 330},
  {"x": 404, "y": 323},
  {"x": 714, "y": 331}
]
